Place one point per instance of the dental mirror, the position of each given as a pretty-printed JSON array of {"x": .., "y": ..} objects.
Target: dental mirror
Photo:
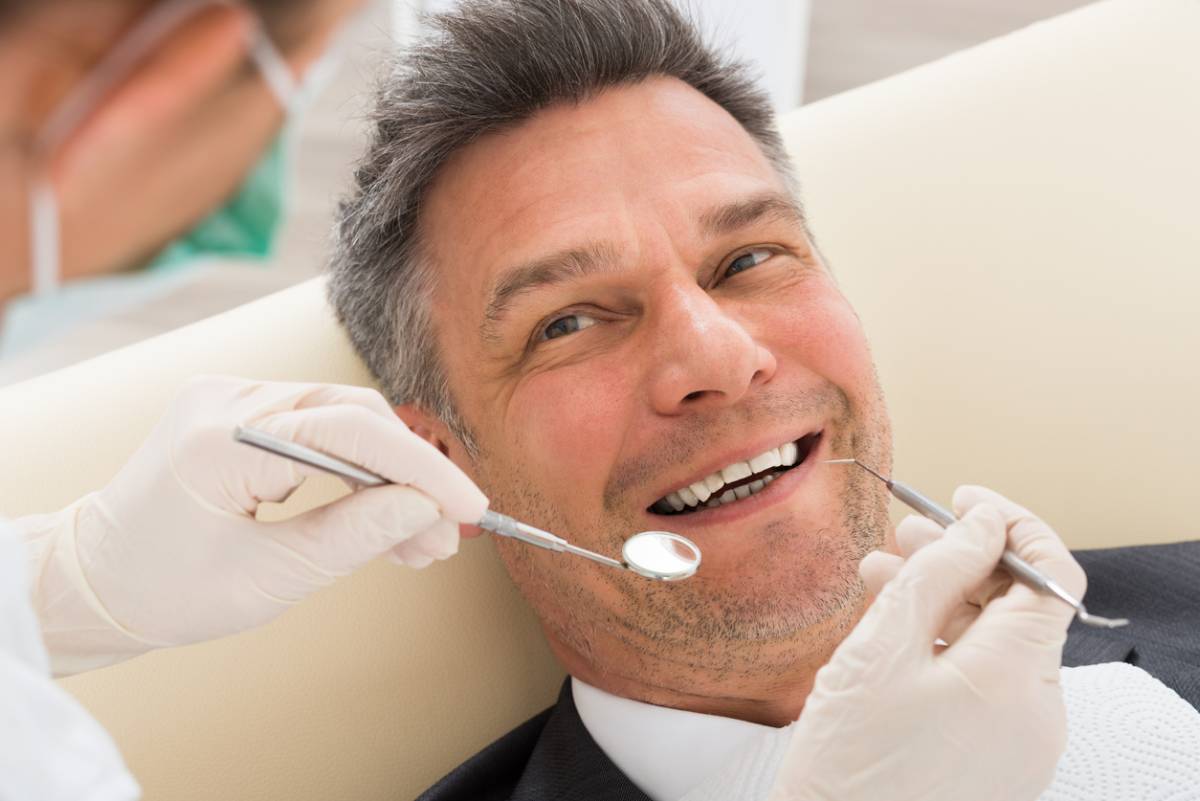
[{"x": 659, "y": 555}]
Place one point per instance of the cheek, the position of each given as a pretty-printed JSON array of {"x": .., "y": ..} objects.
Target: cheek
[
  {"x": 821, "y": 329},
  {"x": 569, "y": 423}
]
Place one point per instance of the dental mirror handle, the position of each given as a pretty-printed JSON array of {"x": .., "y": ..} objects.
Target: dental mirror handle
[
  {"x": 507, "y": 526},
  {"x": 494, "y": 522}
]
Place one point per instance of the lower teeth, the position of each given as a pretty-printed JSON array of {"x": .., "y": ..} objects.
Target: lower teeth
[{"x": 736, "y": 494}]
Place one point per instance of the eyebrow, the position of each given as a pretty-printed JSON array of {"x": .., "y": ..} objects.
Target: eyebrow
[
  {"x": 595, "y": 257},
  {"x": 546, "y": 271},
  {"x": 729, "y": 217}
]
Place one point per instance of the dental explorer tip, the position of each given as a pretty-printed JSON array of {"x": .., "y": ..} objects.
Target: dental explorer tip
[
  {"x": 863, "y": 466},
  {"x": 1099, "y": 622}
]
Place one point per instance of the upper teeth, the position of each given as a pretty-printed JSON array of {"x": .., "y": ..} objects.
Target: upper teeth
[{"x": 694, "y": 494}]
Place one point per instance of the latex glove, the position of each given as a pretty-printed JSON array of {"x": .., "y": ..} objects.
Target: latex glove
[
  {"x": 892, "y": 717},
  {"x": 170, "y": 551}
]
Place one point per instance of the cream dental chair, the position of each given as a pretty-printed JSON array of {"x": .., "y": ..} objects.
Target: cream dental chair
[{"x": 1018, "y": 226}]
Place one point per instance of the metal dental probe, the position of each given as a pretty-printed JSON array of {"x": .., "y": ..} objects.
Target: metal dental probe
[
  {"x": 1021, "y": 569},
  {"x": 660, "y": 555}
]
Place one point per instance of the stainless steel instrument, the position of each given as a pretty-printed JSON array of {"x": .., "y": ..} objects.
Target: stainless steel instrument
[
  {"x": 660, "y": 555},
  {"x": 1020, "y": 569}
]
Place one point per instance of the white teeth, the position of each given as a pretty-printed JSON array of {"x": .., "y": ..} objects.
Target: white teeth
[
  {"x": 765, "y": 461},
  {"x": 705, "y": 492},
  {"x": 736, "y": 472}
]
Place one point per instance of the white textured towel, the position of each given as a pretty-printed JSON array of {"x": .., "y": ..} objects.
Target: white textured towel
[{"x": 1129, "y": 738}]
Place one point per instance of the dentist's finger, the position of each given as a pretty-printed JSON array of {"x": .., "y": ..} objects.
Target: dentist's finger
[
  {"x": 878, "y": 568},
  {"x": 438, "y": 542},
  {"x": 345, "y": 394},
  {"x": 386, "y": 447},
  {"x": 915, "y": 532},
  {"x": 930, "y": 586},
  {"x": 344, "y": 535},
  {"x": 959, "y": 621},
  {"x": 1030, "y": 537}
]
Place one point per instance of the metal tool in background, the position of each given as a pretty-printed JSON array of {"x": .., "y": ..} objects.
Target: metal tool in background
[
  {"x": 1020, "y": 569},
  {"x": 660, "y": 555}
]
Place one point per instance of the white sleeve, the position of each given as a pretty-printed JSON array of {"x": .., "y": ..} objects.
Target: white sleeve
[
  {"x": 50, "y": 747},
  {"x": 1128, "y": 736}
]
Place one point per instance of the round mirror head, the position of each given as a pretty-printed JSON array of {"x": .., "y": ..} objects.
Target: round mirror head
[{"x": 661, "y": 555}]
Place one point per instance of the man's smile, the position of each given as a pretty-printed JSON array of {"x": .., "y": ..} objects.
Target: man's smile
[{"x": 743, "y": 485}]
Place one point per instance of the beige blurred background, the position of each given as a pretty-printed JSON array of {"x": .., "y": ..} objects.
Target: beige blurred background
[{"x": 844, "y": 44}]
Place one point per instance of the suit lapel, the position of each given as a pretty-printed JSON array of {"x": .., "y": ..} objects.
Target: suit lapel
[
  {"x": 1088, "y": 646},
  {"x": 568, "y": 765}
]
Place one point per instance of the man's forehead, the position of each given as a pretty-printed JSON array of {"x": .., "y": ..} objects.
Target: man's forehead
[{"x": 574, "y": 174}]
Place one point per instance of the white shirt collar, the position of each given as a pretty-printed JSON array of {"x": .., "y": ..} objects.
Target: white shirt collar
[{"x": 665, "y": 752}]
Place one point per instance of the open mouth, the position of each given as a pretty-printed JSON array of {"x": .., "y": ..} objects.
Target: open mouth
[{"x": 737, "y": 481}]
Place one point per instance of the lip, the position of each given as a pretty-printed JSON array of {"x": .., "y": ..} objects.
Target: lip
[
  {"x": 742, "y": 455},
  {"x": 775, "y": 493}
]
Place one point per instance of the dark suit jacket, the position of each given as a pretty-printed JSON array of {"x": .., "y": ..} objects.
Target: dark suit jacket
[{"x": 553, "y": 758}]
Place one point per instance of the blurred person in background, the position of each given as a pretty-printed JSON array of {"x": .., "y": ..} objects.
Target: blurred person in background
[{"x": 138, "y": 138}]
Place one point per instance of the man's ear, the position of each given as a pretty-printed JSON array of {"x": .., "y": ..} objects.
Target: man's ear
[{"x": 425, "y": 426}]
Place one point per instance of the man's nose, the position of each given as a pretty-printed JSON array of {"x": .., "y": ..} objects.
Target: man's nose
[{"x": 703, "y": 356}]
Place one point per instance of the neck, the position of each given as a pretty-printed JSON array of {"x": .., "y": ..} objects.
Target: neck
[{"x": 769, "y": 689}]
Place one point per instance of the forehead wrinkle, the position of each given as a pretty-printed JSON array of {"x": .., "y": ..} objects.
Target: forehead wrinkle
[
  {"x": 728, "y": 217},
  {"x": 566, "y": 265}
]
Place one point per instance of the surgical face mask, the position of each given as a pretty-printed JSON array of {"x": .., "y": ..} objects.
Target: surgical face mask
[{"x": 246, "y": 227}]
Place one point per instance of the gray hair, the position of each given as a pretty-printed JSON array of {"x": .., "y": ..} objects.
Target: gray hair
[{"x": 486, "y": 66}]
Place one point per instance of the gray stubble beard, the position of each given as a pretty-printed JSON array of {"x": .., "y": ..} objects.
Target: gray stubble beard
[{"x": 674, "y": 629}]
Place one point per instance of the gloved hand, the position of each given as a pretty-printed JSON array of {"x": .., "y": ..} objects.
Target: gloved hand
[
  {"x": 891, "y": 716},
  {"x": 170, "y": 551}
]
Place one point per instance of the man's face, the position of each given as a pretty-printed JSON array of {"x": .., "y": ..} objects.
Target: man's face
[{"x": 628, "y": 304}]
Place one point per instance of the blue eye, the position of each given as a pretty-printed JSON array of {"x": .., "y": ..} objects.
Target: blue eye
[
  {"x": 751, "y": 258},
  {"x": 567, "y": 324}
]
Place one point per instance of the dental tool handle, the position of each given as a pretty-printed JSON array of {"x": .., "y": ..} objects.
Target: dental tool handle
[
  {"x": 305, "y": 455},
  {"x": 915, "y": 500},
  {"x": 1021, "y": 570},
  {"x": 943, "y": 517},
  {"x": 507, "y": 526},
  {"x": 494, "y": 522}
]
